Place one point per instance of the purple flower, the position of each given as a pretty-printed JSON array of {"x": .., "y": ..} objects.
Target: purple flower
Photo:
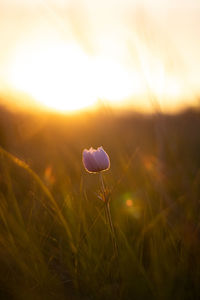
[{"x": 95, "y": 160}]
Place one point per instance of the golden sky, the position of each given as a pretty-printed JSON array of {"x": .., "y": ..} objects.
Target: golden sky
[{"x": 67, "y": 54}]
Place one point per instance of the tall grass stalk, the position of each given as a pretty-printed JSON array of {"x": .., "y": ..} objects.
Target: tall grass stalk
[{"x": 56, "y": 209}]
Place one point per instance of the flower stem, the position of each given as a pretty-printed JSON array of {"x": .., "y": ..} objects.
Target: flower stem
[
  {"x": 112, "y": 231},
  {"x": 108, "y": 216}
]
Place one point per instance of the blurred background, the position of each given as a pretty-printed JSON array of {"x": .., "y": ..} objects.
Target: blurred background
[{"x": 69, "y": 55}]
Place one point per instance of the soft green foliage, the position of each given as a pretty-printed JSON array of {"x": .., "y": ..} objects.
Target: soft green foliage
[{"x": 54, "y": 239}]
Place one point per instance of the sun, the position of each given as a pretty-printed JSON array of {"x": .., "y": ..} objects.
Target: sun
[
  {"x": 57, "y": 76},
  {"x": 63, "y": 77}
]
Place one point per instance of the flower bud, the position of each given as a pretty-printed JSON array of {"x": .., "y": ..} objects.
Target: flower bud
[{"x": 95, "y": 160}]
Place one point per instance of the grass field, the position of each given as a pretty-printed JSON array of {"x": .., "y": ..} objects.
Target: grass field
[{"x": 55, "y": 242}]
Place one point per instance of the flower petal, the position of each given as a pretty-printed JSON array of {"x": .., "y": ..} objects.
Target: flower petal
[{"x": 89, "y": 162}]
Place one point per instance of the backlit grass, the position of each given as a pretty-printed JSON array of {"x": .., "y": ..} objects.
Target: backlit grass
[{"x": 54, "y": 239}]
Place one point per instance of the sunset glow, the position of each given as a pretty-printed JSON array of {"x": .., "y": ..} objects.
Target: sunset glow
[
  {"x": 63, "y": 77},
  {"x": 67, "y": 56},
  {"x": 58, "y": 76}
]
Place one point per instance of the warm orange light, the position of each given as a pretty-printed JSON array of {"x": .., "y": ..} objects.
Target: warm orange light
[
  {"x": 129, "y": 203},
  {"x": 55, "y": 75},
  {"x": 66, "y": 56},
  {"x": 64, "y": 77}
]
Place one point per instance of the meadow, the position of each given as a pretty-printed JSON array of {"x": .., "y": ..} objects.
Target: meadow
[{"x": 54, "y": 239}]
